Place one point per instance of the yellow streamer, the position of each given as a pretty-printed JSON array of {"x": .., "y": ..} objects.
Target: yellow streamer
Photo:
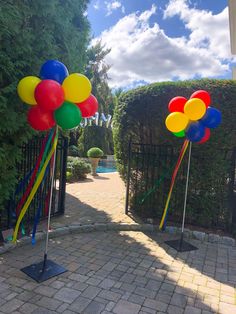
[
  {"x": 170, "y": 192},
  {"x": 34, "y": 189}
]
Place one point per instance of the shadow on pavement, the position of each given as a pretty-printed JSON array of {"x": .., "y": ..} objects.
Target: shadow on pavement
[
  {"x": 118, "y": 272},
  {"x": 128, "y": 269},
  {"x": 126, "y": 272}
]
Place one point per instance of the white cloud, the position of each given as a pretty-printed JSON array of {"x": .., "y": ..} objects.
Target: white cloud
[
  {"x": 204, "y": 26},
  {"x": 96, "y": 5},
  {"x": 111, "y": 6},
  {"x": 141, "y": 52},
  {"x": 145, "y": 16}
]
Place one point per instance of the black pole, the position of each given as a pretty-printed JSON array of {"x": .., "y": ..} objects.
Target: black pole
[
  {"x": 232, "y": 194},
  {"x": 44, "y": 262},
  {"x": 128, "y": 178},
  {"x": 1, "y": 237},
  {"x": 181, "y": 241},
  {"x": 63, "y": 165}
]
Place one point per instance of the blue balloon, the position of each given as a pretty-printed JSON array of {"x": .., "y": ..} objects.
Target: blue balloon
[
  {"x": 195, "y": 132},
  {"x": 212, "y": 118},
  {"x": 53, "y": 70}
]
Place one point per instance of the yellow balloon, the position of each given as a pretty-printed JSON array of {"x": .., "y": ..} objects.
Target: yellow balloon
[
  {"x": 77, "y": 87},
  {"x": 176, "y": 121},
  {"x": 26, "y": 88},
  {"x": 195, "y": 109}
]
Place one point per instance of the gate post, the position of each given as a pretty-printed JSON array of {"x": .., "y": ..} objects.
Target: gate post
[
  {"x": 232, "y": 193},
  {"x": 63, "y": 165},
  {"x": 1, "y": 238},
  {"x": 128, "y": 178}
]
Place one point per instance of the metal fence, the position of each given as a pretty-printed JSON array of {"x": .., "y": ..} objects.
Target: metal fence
[
  {"x": 30, "y": 153},
  {"x": 212, "y": 187}
]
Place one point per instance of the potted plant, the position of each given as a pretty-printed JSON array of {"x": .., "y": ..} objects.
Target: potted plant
[{"x": 94, "y": 155}]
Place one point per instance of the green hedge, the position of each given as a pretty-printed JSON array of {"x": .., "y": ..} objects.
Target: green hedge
[
  {"x": 77, "y": 169},
  {"x": 96, "y": 136},
  {"x": 73, "y": 151},
  {"x": 141, "y": 113},
  {"x": 140, "y": 116},
  {"x": 32, "y": 32}
]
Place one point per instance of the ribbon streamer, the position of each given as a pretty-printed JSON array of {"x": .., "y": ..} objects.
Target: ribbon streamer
[
  {"x": 39, "y": 210},
  {"x": 181, "y": 156},
  {"x": 22, "y": 183},
  {"x": 34, "y": 189},
  {"x": 157, "y": 183},
  {"x": 21, "y": 202}
]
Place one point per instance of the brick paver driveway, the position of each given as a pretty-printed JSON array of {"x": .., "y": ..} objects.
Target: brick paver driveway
[{"x": 121, "y": 272}]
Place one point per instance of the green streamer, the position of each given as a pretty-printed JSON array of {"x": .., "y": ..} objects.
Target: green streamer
[{"x": 156, "y": 185}]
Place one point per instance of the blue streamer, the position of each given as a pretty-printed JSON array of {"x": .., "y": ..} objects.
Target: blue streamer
[{"x": 23, "y": 181}]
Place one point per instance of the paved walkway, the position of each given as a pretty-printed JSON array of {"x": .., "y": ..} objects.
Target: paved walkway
[
  {"x": 121, "y": 273},
  {"x": 115, "y": 272},
  {"x": 97, "y": 199}
]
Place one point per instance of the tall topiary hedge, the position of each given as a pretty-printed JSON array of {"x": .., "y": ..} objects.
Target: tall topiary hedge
[
  {"x": 96, "y": 136},
  {"x": 32, "y": 32},
  {"x": 140, "y": 116}
]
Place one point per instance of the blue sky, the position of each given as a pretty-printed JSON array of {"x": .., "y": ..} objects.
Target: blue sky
[{"x": 162, "y": 40}]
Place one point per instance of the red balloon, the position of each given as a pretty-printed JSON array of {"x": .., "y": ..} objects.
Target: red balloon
[
  {"x": 177, "y": 104},
  {"x": 203, "y": 95},
  {"x": 49, "y": 95},
  {"x": 205, "y": 137},
  {"x": 40, "y": 120},
  {"x": 88, "y": 107},
  {"x": 85, "y": 111}
]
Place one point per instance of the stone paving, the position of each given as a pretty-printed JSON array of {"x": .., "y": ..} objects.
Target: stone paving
[
  {"x": 121, "y": 273},
  {"x": 98, "y": 199}
]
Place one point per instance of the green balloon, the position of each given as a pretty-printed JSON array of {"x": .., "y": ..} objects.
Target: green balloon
[
  {"x": 68, "y": 116},
  {"x": 179, "y": 134}
]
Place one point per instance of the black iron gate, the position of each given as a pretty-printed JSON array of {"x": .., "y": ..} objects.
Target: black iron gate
[
  {"x": 31, "y": 151},
  {"x": 211, "y": 201}
]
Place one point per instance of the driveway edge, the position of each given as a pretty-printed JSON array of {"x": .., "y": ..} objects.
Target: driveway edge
[{"x": 78, "y": 228}]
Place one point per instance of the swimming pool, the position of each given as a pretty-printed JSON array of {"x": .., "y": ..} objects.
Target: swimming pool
[{"x": 106, "y": 166}]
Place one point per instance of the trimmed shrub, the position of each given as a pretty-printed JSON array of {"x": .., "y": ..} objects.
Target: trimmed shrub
[
  {"x": 95, "y": 152},
  {"x": 69, "y": 176},
  {"x": 77, "y": 168},
  {"x": 73, "y": 151},
  {"x": 140, "y": 116}
]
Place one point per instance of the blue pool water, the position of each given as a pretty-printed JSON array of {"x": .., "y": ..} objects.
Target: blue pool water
[{"x": 106, "y": 166}]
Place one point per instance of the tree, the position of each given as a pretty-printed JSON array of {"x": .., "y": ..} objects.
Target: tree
[
  {"x": 30, "y": 33},
  {"x": 97, "y": 72}
]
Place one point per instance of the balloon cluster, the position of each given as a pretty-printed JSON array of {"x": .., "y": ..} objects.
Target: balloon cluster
[
  {"x": 57, "y": 97},
  {"x": 192, "y": 118}
]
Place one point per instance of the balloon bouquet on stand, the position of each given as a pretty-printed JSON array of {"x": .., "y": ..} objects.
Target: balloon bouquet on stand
[
  {"x": 192, "y": 119},
  {"x": 57, "y": 100}
]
